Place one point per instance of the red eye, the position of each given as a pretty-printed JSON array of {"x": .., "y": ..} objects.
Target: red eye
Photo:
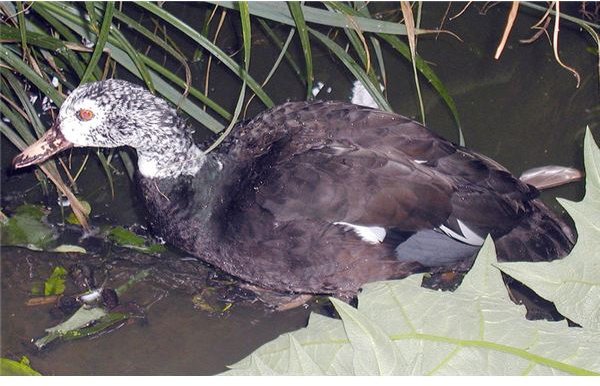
[{"x": 85, "y": 115}]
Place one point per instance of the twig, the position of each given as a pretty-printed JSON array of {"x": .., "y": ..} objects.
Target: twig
[
  {"x": 536, "y": 36},
  {"x": 555, "y": 46},
  {"x": 509, "y": 24},
  {"x": 460, "y": 12}
]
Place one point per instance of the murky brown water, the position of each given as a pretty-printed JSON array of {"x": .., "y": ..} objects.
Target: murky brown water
[{"x": 522, "y": 110}]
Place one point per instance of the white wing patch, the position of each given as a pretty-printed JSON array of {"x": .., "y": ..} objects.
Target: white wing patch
[
  {"x": 372, "y": 235},
  {"x": 467, "y": 237}
]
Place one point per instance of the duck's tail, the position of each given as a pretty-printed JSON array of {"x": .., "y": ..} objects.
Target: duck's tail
[{"x": 542, "y": 236}]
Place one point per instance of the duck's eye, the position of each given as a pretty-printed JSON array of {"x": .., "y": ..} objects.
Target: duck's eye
[{"x": 85, "y": 115}]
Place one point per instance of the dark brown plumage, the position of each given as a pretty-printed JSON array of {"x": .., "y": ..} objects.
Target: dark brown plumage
[
  {"x": 318, "y": 197},
  {"x": 292, "y": 172}
]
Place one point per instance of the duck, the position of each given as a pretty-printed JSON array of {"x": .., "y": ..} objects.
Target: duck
[{"x": 311, "y": 197}]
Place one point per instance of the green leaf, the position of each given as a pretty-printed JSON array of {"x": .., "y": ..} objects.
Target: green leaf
[
  {"x": 68, "y": 248},
  {"x": 26, "y": 228},
  {"x": 87, "y": 209},
  {"x": 377, "y": 354},
  {"x": 477, "y": 330},
  {"x": 98, "y": 326},
  {"x": 89, "y": 321},
  {"x": 10, "y": 367},
  {"x": 127, "y": 239},
  {"x": 55, "y": 284},
  {"x": 573, "y": 283},
  {"x": 82, "y": 318}
]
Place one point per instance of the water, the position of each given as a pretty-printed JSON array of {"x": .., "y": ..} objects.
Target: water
[{"x": 522, "y": 110}]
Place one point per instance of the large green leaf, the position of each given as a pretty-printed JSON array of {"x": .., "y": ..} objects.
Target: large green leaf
[
  {"x": 573, "y": 283},
  {"x": 403, "y": 328},
  {"x": 27, "y": 228},
  {"x": 10, "y": 367}
]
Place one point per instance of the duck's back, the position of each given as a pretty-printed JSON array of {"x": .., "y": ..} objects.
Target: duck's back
[{"x": 323, "y": 197}]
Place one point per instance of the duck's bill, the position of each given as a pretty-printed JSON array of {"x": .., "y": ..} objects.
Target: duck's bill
[{"x": 49, "y": 144}]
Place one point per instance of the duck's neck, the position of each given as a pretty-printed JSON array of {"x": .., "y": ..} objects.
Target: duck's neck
[{"x": 172, "y": 158}]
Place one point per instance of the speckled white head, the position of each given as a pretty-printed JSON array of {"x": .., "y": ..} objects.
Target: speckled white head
[
  {"x": 115, "y": 113},
  {"x": 110, "y": 113},
  {"x": 81, "y": 131}
]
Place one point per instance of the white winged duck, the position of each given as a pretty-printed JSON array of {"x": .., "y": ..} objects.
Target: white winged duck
[{"x": 311, "y": 197}]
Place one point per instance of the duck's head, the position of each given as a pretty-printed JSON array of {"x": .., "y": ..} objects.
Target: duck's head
[{"x": 115, "y": 113}]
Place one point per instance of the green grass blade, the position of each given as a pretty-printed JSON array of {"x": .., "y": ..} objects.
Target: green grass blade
[
  {"x": 128, "y": 163},
  {"x": 192, "y": 90},
  {"x": 152, "y": 37},
  {"x": 89, "y": 6},
  {"x": 380, "y": 61},
  {"x": 41, "y": 9},
  {"x": 356, "y": 38},
  {"x": 275, "y": 39},
  {"x": 246, "y": 32},
  {"x": 23, "y": 68},
  {"x": 24, "y": 99},
  {"x": 106, "y": 168},
  {"x": 11, "y": 34},
  {"x": 72, "y": 58},
  {"x": 68, "y": 16},
  {"x": 361, "y": 8},
  {"x": 420, "y": 64},
  {"x": 355, "y": 69},
  {"x": 157, "y": 41},
  {"x": 18, "y": 122},
  {"x": 208, "y": 45},
  {"x": 22, "y": 26},
  {"x": 282, "y": 53},
  {"x": 136, "y": 57},
  {"x": 247, "y": 38},
  {"x": 572, "y": 19},
  {"x": 428, "y": 73},
  {"x": 42, "y": 40},
  {"x": 12, "y": 135},
  {"x": 101, "y": 42},
  {"x": 412, "y": 44},
  {"x": 296, "y": 11},
  {"x": 278, "y": 11}
]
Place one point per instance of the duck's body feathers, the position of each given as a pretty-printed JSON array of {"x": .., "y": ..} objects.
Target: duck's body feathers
[
  {"x": 308, "y": 197},
  {"x": 280, "y": 203}
]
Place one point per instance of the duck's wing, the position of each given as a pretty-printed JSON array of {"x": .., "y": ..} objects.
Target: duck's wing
[
  {"x": 344, "y": 163},
  {"x": 379, "y": 174},
  {"x": 333, "y": 195}
]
